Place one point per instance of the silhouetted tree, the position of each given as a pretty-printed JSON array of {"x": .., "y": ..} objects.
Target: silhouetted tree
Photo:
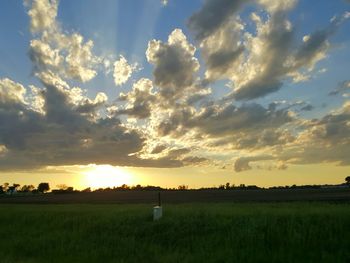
[
  {"x": 27, "y": 188},
  {"x": 221, "y": 187},
  {"x": 182, "y": 187},
  {"x": 347, "y": 180},
  {"x": 86, "y": 190},
  {"x": 43, "y": 187},
  {"x": 124, "y": 187},
  {"x": 5, "y": 187},
  {"x": 62, "y": 186}
]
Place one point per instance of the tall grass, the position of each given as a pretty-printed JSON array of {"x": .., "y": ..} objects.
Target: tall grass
[{"x": 281, "y": 232}]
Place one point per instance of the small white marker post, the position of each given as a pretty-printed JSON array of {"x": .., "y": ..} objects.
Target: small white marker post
[{"x": 157, "y": 210}]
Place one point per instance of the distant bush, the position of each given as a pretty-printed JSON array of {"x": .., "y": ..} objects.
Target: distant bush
[{"x": 43, "y": 187}]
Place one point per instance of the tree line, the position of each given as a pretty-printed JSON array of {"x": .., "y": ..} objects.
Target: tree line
[
  {"x": 44, "y": 187},
  {"x": 7, "y": 188}
]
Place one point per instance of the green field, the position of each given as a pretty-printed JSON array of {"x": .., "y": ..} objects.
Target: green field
[{"x": 260, "y": 232}]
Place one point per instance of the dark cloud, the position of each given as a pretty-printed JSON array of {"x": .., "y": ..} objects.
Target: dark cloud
[
  {"x": 175, "y": 65},
  {"x": 63, "y": 135},
  {"x": 323, "y": 140},
  {"x": 221, "y": 60},
  {"x": 229, "y": 119},
  {"x": 342, "y": 87},
  {"x": 277, "y": 38},
  {"x": 262, "y": 139},
  {"x": 307, "y": 107},
  {"x": 139, "y": 100},
  {"x": 243, "y": 163},
  {"x": 257, "y": 64},
  {"x": 158, "y": 149},
  {"x": 212, "y": 16},
  {"x": 250, "y": 126}
]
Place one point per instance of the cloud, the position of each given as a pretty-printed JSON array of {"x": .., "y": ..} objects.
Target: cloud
[
  {"x": 175, "y": 118},
  {"x": 68, "y": 131},
  {"x": 158, "y": 149},
  {"x": 68, "y": 55},
  {"x": 257, "y": 63},
  {"x": 243, "y": 163},
  {"x": 65, "y": 134},
  {"x": 268, "y": 51},
  {"x": 122, "y": 71},
  {"x": 278, "y": 6},
  {"x": 164, "y": 2},
  {"x": 324, "y": 140},
  {"x": 343, "y": 87},
  {"x": 253, "y": 63},
  {"x": 219, "y": 121},
  {"x": 212, "y": 16},
  {"x": 223, "y": 50},
  {"x": 90, "y": 107},
  {"x": 11, "y": 92},
  {"x": 139, "y": 100},
  {"x": 43, "y": 15},
  {"x": 307, "y": 107},
  {"x": 174, "y": 64}
]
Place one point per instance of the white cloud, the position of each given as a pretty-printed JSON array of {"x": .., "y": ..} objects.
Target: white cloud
[
  {"x": 11, "y": 92},
  {"x": 122, "y": 71},
  {"x": 52, "y": 49},
  {"x": 43, "y": 15},
  {"x": 3, "y": 150}
]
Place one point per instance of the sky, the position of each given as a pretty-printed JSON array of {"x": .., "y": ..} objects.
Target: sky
[{"x": 203, "y": 92}]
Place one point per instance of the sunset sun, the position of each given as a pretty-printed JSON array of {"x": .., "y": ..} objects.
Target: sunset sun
[{"x": 102, "y": 176}]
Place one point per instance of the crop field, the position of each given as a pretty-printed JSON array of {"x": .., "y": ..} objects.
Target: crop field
[
  {"x": 193, "y": 232},
  {"x": 187, "y": 196}
]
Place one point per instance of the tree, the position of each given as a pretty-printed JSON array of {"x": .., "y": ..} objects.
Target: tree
[
  {"x": 43, "y": 187},
  {"x": 86, "y": 190},
  {"x": 182, "y": 187},
  {"x": 27, "y": 188},
  {"x": 62, "y": 187},
  {"x": 347, "y": 180},
  {"x": 5, "y": 187}
]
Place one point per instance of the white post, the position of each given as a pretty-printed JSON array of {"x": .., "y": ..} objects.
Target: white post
[{"x": 157, "y": 212}]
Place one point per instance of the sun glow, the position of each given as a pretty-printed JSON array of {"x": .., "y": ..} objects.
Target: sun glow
[{"x": 103, "y": 176}]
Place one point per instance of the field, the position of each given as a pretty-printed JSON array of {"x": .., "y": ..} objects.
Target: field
[
  {"x": 188, "y": 196},
  {"x": 196, "y": 232}
]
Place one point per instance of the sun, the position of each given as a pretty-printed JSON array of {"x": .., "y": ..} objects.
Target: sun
[{"x": 103, "y": 176}]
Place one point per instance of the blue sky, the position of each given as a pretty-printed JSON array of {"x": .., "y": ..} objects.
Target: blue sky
[{"x": 147, "y": 61}]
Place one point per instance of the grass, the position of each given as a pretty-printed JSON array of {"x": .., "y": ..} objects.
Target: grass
[{"x": 266, "y": 232}]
